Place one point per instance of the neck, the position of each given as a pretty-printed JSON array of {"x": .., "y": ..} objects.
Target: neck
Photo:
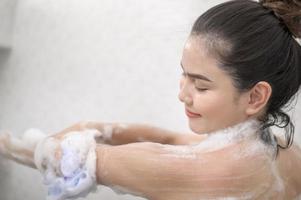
[{"x": 246, "y": 128}]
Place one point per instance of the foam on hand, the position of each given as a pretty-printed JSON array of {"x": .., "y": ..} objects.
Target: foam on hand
[
  {"x": 68, "y": 165},
  {"x": 21, "y": 149}
]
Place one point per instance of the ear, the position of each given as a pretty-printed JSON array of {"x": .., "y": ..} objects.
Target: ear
[{"x": 258, "y": 98}]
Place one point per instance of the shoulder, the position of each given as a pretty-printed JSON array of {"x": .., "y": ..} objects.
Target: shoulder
[
  {"x": 289, "y": 166},
  {"x": 188, "y": 139},
  {"x": 245, "y": 160}
]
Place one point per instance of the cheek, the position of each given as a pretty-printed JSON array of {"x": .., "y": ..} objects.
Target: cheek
[{"x": 212, "y": 103}]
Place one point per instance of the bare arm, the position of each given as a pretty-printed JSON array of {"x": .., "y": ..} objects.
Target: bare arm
[
  {"x": 115, "y": 134},
  {"x": 157, "y": 171},
  {"x": 122, "y": 133},
  {"x": 144, "y": 169},
  {"x": 163, "y": 172}
]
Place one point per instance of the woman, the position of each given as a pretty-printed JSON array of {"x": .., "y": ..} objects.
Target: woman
[{"x": 241, "y": 66}]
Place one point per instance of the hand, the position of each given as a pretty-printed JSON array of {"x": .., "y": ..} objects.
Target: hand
[
  {"x": 4, "y": 144},
  {"x": 105, "y": 130},
  {"x": 68, "y": 163},
  {"x": 20, "y": 150}
]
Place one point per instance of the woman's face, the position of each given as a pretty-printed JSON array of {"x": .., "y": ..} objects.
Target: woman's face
[{"x": 208, "y": 91}]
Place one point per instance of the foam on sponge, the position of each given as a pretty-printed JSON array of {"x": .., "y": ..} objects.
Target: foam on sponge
[{"x": 68, "y": 165}]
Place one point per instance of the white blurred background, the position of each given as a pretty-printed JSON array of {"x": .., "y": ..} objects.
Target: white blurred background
[{"x": 109, "y": 60}]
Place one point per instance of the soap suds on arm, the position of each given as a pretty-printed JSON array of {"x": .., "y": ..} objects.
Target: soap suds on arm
[
  {"x": 153, "y": 170},
  {"x": 232, "y": 163}
]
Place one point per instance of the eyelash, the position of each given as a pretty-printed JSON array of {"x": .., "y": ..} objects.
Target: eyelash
[
  {"x": 198, "y": 89},
  {"x": 201, "y": 89}
]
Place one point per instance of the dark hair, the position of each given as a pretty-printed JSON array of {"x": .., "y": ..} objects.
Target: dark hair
[{"x": 256, "y": 41}]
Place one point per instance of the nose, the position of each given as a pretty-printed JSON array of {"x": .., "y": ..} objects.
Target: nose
[{"x": 184, "y": 94}]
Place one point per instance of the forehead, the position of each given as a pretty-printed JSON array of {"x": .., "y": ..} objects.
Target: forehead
[{"x": 196, "y": 59}]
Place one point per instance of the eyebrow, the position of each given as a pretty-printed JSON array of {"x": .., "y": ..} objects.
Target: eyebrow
[{"x": 197, "y": 76}]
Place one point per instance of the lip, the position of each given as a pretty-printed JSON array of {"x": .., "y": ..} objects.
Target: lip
[{"x": 191, "y": 114}]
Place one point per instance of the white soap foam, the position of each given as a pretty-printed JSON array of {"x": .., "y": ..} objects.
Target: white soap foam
[
  {"x": 107, "y": 132},
  {"x": 278, "y": 184},
  {"x": 141, "y": 139},
  {"x": 245, "y": 136},
  {"x": 68, "y": 166},
  {"x": 120, "y": 128},
  {"x": 32, "y": 136},
  {"x": 218, "y": 140},
  {"x": 248, "y": 129},
  {"x": 20, "y": 149}
]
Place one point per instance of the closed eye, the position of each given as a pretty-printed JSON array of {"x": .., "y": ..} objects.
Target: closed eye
[
  {"x": 198, "y": 89},
  {"x": 201, "y": 89}
]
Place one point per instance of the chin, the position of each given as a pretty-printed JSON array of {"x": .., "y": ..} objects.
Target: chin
[{"x": 196, "y": 128}]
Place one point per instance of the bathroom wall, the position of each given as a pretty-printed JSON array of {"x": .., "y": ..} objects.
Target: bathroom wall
[
  {"x": 106, "y": 60},
  {"x": 7, "y": 16}
]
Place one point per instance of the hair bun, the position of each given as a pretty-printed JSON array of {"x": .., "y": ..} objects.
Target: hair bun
[{"x": 289, "y": 11}]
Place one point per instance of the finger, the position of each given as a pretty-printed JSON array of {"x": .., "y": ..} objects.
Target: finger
[
  {"x": 14, "y": 149},
  {"x": 3, "y": 141}
]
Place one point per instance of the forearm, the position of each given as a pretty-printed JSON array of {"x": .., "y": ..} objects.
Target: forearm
[
  {"x": 124, "y": 133},
  {"x": 131, "y": 133}
]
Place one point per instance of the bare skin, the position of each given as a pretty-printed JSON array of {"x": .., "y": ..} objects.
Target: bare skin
[
  {"x": 146, "y": 156},
  {"x": 164, "y": 165},
  {"x": 15, "y": 150},
  {"x": 150, "y": 170}
]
